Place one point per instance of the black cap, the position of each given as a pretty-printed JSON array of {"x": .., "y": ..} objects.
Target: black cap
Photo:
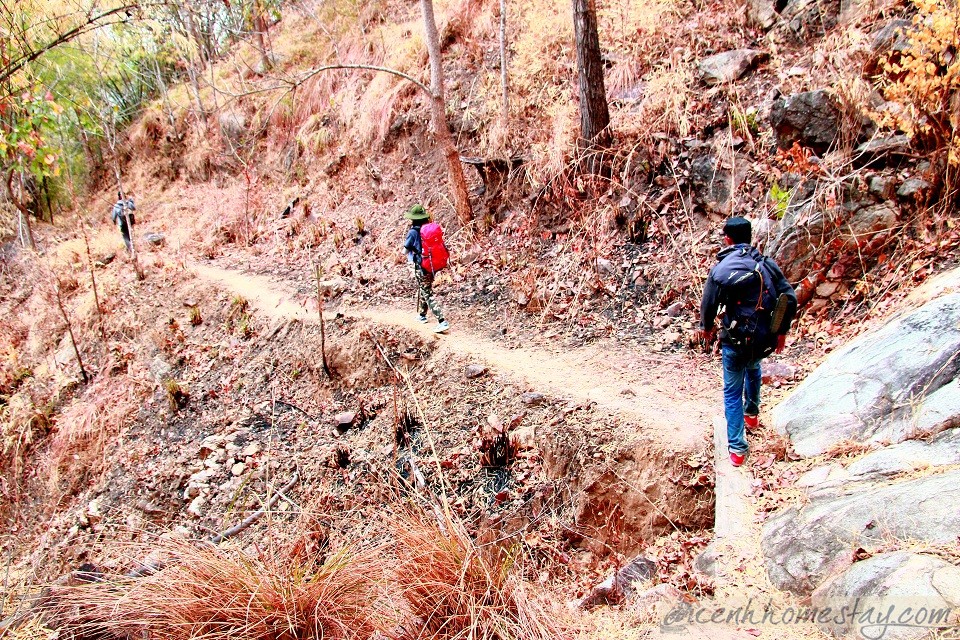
[{"x": 737, "y": 229}]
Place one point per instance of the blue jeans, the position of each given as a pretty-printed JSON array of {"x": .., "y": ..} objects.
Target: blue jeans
[{"x": 741, "y": 394}]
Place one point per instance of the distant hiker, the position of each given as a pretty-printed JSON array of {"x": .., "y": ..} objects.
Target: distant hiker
[
  {"x": 756, "y": 305},
  {"x": 122, "y": 216},
  {"x": 427, "y": 254}
]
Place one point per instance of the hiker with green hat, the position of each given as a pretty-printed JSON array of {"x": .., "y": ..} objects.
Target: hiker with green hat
[{"x": 413, "y": 245}]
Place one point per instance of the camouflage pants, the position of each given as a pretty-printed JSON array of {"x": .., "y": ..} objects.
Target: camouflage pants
[{"x": 425, "y": 294}]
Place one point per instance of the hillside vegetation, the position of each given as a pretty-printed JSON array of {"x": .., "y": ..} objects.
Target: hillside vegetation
[{"x": 243, "y": 408}]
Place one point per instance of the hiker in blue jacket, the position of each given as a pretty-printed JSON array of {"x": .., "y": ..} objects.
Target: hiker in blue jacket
[
  {"x": 122, "y": 216},
  {"x": 757, "y": 305},
  {"x": 413, "y": 245}
]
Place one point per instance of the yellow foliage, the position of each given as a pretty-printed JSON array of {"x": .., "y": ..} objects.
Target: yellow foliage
[{"x": 924, "y": 80}]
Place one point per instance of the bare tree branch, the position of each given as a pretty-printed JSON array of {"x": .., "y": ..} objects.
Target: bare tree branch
[{"x": 91, "y": 23}]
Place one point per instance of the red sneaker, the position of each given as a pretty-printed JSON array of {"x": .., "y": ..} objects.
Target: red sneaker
[
  {"x": 737, "y": 458},
  {"x": 751, "y": 422}
]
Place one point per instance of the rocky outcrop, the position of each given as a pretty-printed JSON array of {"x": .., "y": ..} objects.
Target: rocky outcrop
[
  {"x": 811, "y": 119},
  {"x": 716, "y": 180},
  {"x": 928, "y": 585},
  {"x": 728, "y": 66},
  {"x": 804, "y": 546},
  {"x": 884, "y": 386}
]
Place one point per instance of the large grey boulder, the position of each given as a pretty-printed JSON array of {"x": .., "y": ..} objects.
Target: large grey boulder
[
  {"x": 728, "y": 66},
  {"x": 811, "y": 118},
  {"x": 891, "y": 582},
  {"x": 910, "y": 456},
  {"x": 803, "y": 546},
  {"x": 877, "y": 386}
]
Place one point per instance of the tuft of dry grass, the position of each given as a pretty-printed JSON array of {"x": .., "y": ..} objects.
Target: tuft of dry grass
[
  {"x": 848, "y": 449},
  {"x": 87, "y": 427},
  {"x": 220, "y": 593},
  {"x": 454, "y": 588}
]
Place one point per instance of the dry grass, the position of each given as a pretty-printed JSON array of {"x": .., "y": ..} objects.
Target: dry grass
[
  {"x": 457, "y": 589},
  {"x": 87, "y": 429},
  {"x": 219, "y": 593},
  {"x": 848, "y": 449}
]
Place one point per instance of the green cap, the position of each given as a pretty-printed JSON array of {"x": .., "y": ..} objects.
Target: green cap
[{"x": 417, "y": 212}]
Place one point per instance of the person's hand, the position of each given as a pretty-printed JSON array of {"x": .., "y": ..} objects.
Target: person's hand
[{"x": 781, "y": 341}]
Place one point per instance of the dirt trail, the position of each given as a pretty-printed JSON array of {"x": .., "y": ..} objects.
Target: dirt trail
[{"x": 665, "y": 394}]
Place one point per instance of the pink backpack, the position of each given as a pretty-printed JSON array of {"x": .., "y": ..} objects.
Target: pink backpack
[{"x": 435, "y": 254}]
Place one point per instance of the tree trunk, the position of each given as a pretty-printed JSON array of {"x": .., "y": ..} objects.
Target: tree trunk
[
  {"x": 503, "y": 61},
  {"x": 458, "y": 183},
  {"x": 594, "y": 113},
  {"x": 73, "y": 340},
  {"x": 260, "y": 29},
  {"x": 24, "y": 232}
]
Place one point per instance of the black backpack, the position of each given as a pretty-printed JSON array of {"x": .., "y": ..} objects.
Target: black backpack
[{"x": 749, "y": 300}]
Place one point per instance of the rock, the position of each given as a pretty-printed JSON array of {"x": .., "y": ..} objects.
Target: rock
[
  {"x": 806, "y": 19},
  {"x": 332, "y": 288},
  {"x": 620, "y": 585},
  {"x": 893, "y": 36},
  {"x": 777, "y": 372},
  {"x": 654, "y": 602},
  {"x": 869, "y": 221},
  {"x": 160, "y": 369},
  {"x": 873, "y": 151},
  {"x": 250, "y": 450},
  {"x": 344, "y": 420},
  {"x": 912, "y": 187},
  {"x": 827, "y": 289},
  {"x": 202, "y": 477},
  {"x": 674, "y": 310},
  {"x": 891, "y": 582},
  {"x": 93, "y": 513},
  {"x": 524, "y": 438},
  {"x": 532, "y": 398},
  {"x": 238, "y": 469},
  {"x": 871, "y": 388},
  {"x": 640, "y": 569},
  {"x": 155, "y": 239},
  {"x": 761, "y": 13},
  {"x": 822, "y": 475},
  {"x": 103, "y": 261},
  {"x": 474, "y": 370},
  {"x": 233, "y": 125},
  {"x": 715, "y": 181},
  {"x": 909, "y": 456},
  {"x": 605, "y": 267},
  {"x": 192, "y": 491},
  {"x": 728, "y": 66},
  {"x": 706, "y": 561},
  {"x": 811, "y": 118},
  {"x": 196, "y": 507},
  {"x": 805, "y": 545},
  {"x": 670, "y": 337},
  {"x": 882, "y": 187}
]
